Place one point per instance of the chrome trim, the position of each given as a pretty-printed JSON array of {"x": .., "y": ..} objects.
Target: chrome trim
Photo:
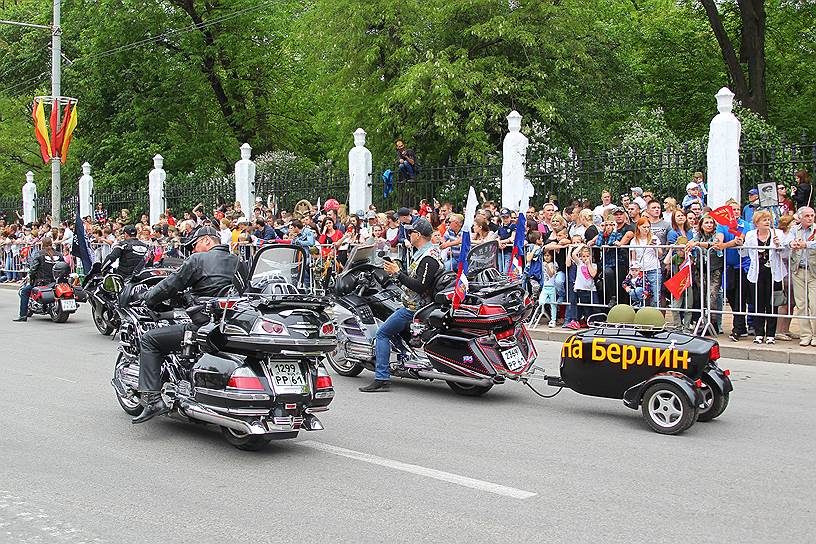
[
  {"x": 201, "y": 413},
  {"x": 434, "y": 375},
  {"x": 324, "y": 395},
  {"x": 238, "y": 411},
  {"x": 232, "y": 395},
  {"x": 290, "y": 353},
  {"x": 316, "y": 409}
]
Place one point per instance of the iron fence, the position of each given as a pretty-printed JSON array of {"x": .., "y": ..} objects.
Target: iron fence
[{"x": 566, "y": 174}]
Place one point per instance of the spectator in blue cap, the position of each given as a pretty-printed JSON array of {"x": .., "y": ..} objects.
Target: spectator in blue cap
[{"x": 751, "y": 207}]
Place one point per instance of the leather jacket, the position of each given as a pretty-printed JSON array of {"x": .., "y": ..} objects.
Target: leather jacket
[
  {"x": 131, "y": 254},
  {"x": 206, "y": 274},
  {"x": 41, "y": 270}
]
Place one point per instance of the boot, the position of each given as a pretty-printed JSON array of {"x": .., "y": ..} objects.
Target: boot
[
  {"x": 21, "y": 318},
  {"x": 377, "y": 385},
  {"x": 154, "y": 406}
]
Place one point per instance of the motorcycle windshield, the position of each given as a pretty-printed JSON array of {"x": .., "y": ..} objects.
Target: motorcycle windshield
[
  {"x": 279, "y": 263},
  {"x": 369, "y": 254},
  {"x": 483, "y": 256}
]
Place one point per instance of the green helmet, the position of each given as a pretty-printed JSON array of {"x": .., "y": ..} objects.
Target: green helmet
[
  {"x": 651, "y": 317},
  {"x": 621, "y": 313}
]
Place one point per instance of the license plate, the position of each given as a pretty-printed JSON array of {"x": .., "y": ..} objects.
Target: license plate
[
  {"x": 513, "y": 359},
  {"x": 68, "y": 305},
  {"x": 286, "y": 374}
]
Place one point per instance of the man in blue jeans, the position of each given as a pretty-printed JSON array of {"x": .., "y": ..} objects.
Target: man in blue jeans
[{"x": 417, "y": 286}]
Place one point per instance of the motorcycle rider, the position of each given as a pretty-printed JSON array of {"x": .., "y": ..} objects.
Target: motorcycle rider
[
  {"x": 131, "y": 253},
  {"x": 207, "y": 272},
  {"x": 417, "y": 285},
  {"x": 40, "y": 273}
]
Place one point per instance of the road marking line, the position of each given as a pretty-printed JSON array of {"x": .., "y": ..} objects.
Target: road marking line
[
  {"x": 65, "y": 379},
  {"x": 464, "y": 481}
]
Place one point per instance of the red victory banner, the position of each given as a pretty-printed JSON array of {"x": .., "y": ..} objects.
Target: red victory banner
[{"x": 680, "y": 281}]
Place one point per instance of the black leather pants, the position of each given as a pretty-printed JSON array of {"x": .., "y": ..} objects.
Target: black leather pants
[{"x": 155, "y": 345}]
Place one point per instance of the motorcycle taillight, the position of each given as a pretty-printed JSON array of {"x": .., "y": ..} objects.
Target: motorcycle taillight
[{"x": 505, "y": 334}]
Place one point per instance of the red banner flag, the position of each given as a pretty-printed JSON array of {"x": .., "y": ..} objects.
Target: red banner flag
[
  {"x": 680, "y": 281},
  {"x": 725, "y": 216},
  {"x": 63, "y": 126},
  {"x": 54, "y": 112}
]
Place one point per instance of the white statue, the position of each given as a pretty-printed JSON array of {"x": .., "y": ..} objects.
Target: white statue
[
  {"x": 156, "y": 178},
  {"x": 360, "y": 167},
  {"x": 29, "y": 199},
  {"x": 514, "y": 152},
  {"x": 245, "y": 180},
  {"x": 723, "y": 153},
  {"x": 86, "y": 192}
]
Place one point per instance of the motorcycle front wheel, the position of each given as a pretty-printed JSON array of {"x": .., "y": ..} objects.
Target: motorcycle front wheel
[
  {"x": 131, "y": 405},
  {"x": 339, "y": 361},
  {"x": 102, "y": 324}
]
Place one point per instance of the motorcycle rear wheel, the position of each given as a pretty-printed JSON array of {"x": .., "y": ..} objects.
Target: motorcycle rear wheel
[
  {"x": 56, "y": 315},
  {"x": 469, "y": 390},
  {"x": 102, "y": 324},
  {"x": 246, "y": 442}
]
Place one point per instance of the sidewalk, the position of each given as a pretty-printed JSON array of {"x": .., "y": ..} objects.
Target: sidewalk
[{"x": 781, "y": 352}]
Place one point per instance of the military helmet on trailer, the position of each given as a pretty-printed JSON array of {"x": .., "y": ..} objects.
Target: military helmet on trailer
[
  {"x": 650, "y": 317},
  {"x": 621, "y": 313}
]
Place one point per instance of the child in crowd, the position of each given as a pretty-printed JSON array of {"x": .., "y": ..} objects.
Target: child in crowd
[
  {"x": 636, "y": 285},
  {"x": 585, "y": 289},
  {"x": 548, "y": 271}
]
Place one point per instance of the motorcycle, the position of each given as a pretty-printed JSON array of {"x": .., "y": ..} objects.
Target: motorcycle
[
  {"x": 58, "y": 299},
  {"x": 481, "y": 343},
  {"x": 253, "y": 368}
]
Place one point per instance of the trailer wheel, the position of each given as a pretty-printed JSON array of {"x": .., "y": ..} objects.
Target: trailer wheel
[
  {"x": 667, "y": 410},
  {"x": 714, "y": 403},
  {"x": 469, "y": 390}
]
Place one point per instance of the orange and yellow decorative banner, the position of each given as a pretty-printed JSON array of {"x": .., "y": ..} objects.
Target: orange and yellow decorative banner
[{"x": 60, "y": 141}]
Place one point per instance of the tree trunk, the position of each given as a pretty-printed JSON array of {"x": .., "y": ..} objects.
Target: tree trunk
[{"x": 750, "y": 91}]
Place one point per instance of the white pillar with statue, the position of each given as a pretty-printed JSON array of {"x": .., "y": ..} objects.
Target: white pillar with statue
[
  {"x": 86, "y": 192},
  {"x": 245, "y": 181},
  {"x": 157, "y": 177},
  {"x": 360, "y": 168},
  {"x": 29, "y": 199},
  {"x": 514, "y": 159},
  {"x": 722, "y": 157}
]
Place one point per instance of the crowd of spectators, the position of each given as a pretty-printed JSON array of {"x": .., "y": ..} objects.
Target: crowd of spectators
[{"x": 579, "y": 257}]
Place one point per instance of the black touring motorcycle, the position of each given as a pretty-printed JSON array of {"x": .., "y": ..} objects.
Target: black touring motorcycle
[
  {"x": 254, "y": 368},
  {"x": 482, "y": 343}
]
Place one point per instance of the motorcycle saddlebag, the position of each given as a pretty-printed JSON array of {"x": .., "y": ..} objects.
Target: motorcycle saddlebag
[
  {"x": 43, "y": 295},
  {"x": 80, "y": 294}
]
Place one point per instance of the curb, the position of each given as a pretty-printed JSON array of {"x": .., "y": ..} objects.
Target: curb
[{"x": 748, "y": 352}]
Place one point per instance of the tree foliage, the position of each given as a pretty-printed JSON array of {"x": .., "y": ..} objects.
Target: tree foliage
[{"x": 193, "y": 79}]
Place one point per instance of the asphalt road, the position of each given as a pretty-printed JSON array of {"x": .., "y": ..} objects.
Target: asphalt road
[{"x": 418, "y": 464}]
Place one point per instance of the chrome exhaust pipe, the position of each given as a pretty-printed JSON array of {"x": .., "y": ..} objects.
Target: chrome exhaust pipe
[
  {"x": 196, "y": 411},
  {"x": 311, "y": 423},
  {"x": 465, "y": 380}
]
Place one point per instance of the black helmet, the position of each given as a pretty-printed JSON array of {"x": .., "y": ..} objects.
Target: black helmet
[{"x": 60, "y": 270}]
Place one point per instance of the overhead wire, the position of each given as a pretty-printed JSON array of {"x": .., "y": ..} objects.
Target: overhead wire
[
  {"x": 198, "y": 26},
  {"x": 24, "y": 85}
]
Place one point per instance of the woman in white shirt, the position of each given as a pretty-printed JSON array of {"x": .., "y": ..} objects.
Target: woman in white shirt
[
  {"x": 764, "y": 246},
  {"x": 648, "y": 258}
]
